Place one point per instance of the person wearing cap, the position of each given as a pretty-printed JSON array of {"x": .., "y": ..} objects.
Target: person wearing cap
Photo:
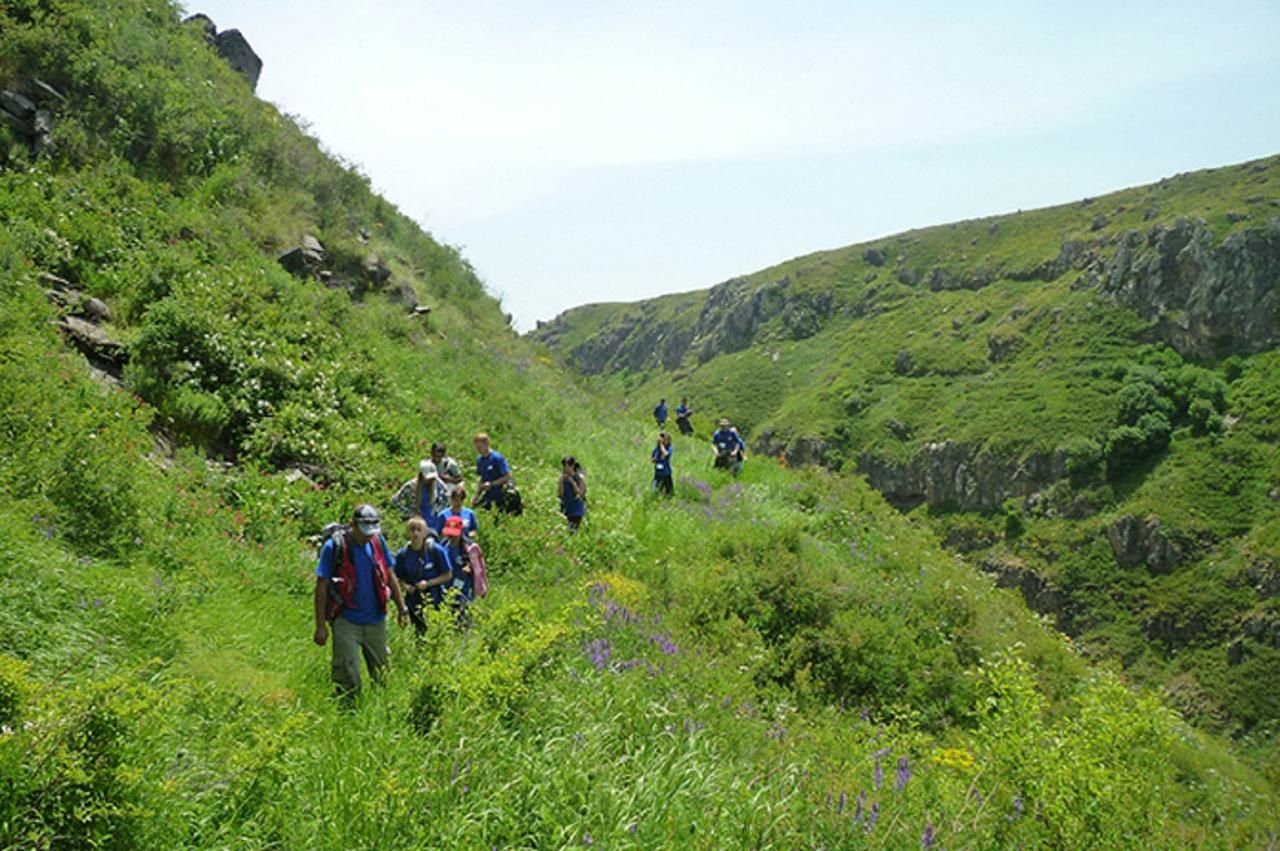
[
  {"x": 494, "y": 474},
  {"x": 431, "y": 495},
  {"x": 457, "y": 508},
  {"x": 422, "y": 566},
  {"x": 727, "y": 447},
  {"x": 353, "y": 584},
  {"x": 455, "y": 545},
  {"x": 449, "y": 470}
]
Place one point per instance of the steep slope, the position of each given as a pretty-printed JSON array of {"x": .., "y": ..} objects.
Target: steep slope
[
  {"x": 1081, "y": 398},
  {"x": 202, "y": 364}
]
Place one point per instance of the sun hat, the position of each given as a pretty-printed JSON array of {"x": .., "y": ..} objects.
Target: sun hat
[{"x": 426, "y": 469}]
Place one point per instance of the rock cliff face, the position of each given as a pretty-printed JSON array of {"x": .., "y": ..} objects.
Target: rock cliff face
[
  {"x": 955, "y": 475},
  {"x": 232, "y": 46},
  {"x": 1207, "y": 299}
]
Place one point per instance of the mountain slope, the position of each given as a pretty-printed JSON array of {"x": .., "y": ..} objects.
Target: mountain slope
[
  {"x": 1081, "y": 398},
  {"x": 190, "y": 387}
]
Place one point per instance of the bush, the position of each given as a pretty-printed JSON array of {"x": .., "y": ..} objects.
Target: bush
[
  {"x": 1082, "y": 458},
  {"x": 14, "y": 689},
  {"x": 1204, "y": 417},
  {"x": 1136, "y": 399}
]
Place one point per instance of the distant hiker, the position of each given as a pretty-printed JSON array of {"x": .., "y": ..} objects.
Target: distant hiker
[
  {"x": 430, "y": 495},
  {"x": 353, "y": 584},
  {"x": 457, "y": 508},
  {"x": 449, "y": 470},
  {"x": 661, "y": 456},
  {"x": 660, "y": 413},
  {"x": 497, "y": 486},
  {"x": 464, "y": 575},
  {"x": 683, "y": 413},
  {"x": 728, "y": 448},
  {"x": 573, "y": 492},
  {"x": 422, "y": 566}
]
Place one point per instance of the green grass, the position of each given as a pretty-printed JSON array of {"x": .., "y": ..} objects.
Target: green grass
[{"x": 727, "y": 668}]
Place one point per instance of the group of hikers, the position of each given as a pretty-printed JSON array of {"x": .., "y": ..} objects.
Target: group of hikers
[
  {"x": 357, "y": 574},
  {"x": 728, "y": 448}
]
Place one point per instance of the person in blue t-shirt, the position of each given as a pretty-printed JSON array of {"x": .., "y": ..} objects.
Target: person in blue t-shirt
[
  {"x": 423, "y": 570},
  {"x": 494, "y": 474},
  {"x": 573, "y": 492},
  {"x": 455, "y": 547},
  {"x": 660, "y": 413},
  {"x": 353, "y": 584},
  {"x": 727, "y": 447},
  {"x": 683, "y": 413},
  {"x": 661, "y": 456},
  {"x": 470, "y": 524}
]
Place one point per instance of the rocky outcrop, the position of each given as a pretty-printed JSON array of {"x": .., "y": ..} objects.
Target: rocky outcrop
[
  {"x": 1207, "y": 299},
  {"x": 1010, "y": 572},
  {"x": 305, "y": 260},
  {"x": 1140, "y": 541},
  {"x": 27, "y": 108},
  {"x": 232, "y": 46},
  {"x": 961, "y": 476}
]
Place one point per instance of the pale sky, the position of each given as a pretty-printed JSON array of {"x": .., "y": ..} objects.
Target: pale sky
[{"x": 607, "y": 151}]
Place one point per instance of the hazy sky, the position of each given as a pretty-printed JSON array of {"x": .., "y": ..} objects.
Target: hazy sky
[{"x": 604, "y": 151}]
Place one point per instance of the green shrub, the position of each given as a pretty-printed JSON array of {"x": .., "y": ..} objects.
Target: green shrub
[
  {"x": 1082, "y": 458},
  {"x": 1204, "y": 417},
  {"x": 14, "y": 689}
]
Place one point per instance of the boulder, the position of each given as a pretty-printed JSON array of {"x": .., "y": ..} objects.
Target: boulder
[
  {"x": 93, "y": 342},
  {"x": 404, "y": 294},
  {"x": 1003, "y": 347},
  {"x": 206, "y": 25},
  {"x": 95, "y": 310},
  {"x": 1099, "y": 222},
  {"x": 1010, "y": 572},
  {"x": 1140, "y": 541},
  {"x": 903, "y": 363},
  {"x": 874, "y": 256},
  {"x": 376, "y": 271},
  {"x": 306, "y": 260},
  {"x": 234, "y": 47}
]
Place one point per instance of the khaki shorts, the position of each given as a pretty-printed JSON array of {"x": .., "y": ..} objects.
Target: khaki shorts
[{"x": 350, "y": 642}]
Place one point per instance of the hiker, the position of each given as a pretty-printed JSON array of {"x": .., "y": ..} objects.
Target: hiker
[
  {"x": 353, "y": 584},
  {"x": 430, "y": 496},
  {"x": 728, "y": 448},
  {"x": 449, "y": 470},
  {"x": 683, "y": 413},
  {"x": 457, "y": 508},
  {"x": 573, "y": 492},
  {"x": 422, "y": 566},
  {"x": 660, "y": 413},
  {"x": 464, "y": 573},
  {"x": 405, "y": 500},
  {"x": 495, "y": 478},
  {"x": 661, "y": 456}
]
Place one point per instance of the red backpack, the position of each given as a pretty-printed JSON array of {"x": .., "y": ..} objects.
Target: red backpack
[{"x": 342, "y": 586}]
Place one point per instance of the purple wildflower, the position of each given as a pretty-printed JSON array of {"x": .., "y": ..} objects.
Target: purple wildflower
[
  {"x": 97, "y": 602},
  {"x": 928, "y": 838},
  {"x": 587, "y": 840},
  {"x": 665, "y": 644},
  {"x": 728, "y": 701},
  {"x": 877, "y": 776},
  {"x": 874, "y": 817},
  {"x": 865, "y": 713},
  {"x": 843, "y": 799},
  {"x": 599, "y": 650},
  {"x": 903, "y": 774},
  {"x": 1018, "y": 807},
  {"x": 862, "y": 800}
]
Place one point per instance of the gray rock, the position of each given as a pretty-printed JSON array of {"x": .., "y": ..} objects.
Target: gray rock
[
  {"x": 93, "y": 342},
  {"x": 1099, "y": 222},
  {"x": 993, "y": 227},
  {"x": 874, "y": 256},
  {"x": 206, "y": 25},
  {"x": 898, "y": 429},
  {"x": 1207, "y": 299},
  {"x": 404, "y": 294},
  {"x": 17, "y": 105},
  {"x": 96, "y": 310},
  {"x": 1141, "y": 542},
  {"x": 1010, "y": 572},
  {"x": 306, "y": 260},
  {"x": 1149, "y": 214},
  {"x": 1001, "y": 348},
  {"x": 1234, "y": 216},
  {"x": 903, "y": 364},
  {"x": 962, "y": 476},
  {"x": 234, "y": 47},
  {"x": 376, "y": 271}
]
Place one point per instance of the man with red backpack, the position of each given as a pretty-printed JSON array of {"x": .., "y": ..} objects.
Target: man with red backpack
[{"x": 354, "y": 581}]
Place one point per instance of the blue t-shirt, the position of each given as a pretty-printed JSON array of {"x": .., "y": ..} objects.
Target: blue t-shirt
[
  {"x": 469, "y": 522},
  {"x": 413, "y": 567},
  {"x": 660, "y": 413},
  {"x": 464, "y": 582},
  {"x": 492, "y": 466},
  {"x": 727, "y": 439},
  {"x": 363, "y": 606},
  {"x": 682, "y": 410},
  {"x": 662, "y": 466},
  {"x": 571, "y": 505}
]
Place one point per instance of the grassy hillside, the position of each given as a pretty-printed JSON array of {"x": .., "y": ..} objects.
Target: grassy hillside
[
  {"x": 783, "y": 661},
  {"x": 1035, "y": 385}
]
